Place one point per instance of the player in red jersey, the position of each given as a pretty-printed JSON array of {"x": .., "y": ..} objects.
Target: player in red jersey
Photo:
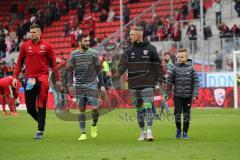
[
  {"x": 38, "y": 56},
  {"x": 9, "y": 94}
]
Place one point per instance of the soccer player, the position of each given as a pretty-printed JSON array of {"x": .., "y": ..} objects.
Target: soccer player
[
  {"x": 38, "y": 56},
  {"x": 144, "y": 72},
  {"x": 9, "y": 95},
  {"x": 87, "y": 67},
  {"x": 184, "y": 79}
]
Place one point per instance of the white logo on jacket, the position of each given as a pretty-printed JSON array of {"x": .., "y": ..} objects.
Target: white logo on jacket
[{"x": 145, "y": 52}]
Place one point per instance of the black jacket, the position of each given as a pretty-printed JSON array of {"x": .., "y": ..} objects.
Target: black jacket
[
  {"x": 184, "y": 79},
  {"x": 143, "y": 65}
]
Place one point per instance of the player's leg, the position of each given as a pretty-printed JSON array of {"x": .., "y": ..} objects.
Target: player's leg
[
  {"x": 12, "y": 106},
  {"x": 137, "y": 101},
  {"x": 186, "y": 116},
  {"x": 177, "y": 113},
  {"x": 147, "y": 96},
  {"x": 93, "y": 100},
  {"x": 4, "y": 100},
  {"x": 41, "y": 104},
  {"x": 82, "y": 102},
  {"x": 30, "y": 100}
]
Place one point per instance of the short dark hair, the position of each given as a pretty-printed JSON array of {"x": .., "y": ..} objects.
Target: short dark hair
[
  {"x": 81, "y": 36},
  {"x": 167, "y": 53},
  {"x": 34, "y": 25}
]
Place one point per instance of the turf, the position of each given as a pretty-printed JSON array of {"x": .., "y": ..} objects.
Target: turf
[{"x": 215, "y": 135}]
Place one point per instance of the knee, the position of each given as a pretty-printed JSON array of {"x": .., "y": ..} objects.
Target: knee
[
  {"x": 147, "y": 105},
  {"x": 30, "y": 110}
]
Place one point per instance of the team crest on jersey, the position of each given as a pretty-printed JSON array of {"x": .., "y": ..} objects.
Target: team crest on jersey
[
  {"x": 42, "y": 47},
  {"x": 145, "y": 52}
]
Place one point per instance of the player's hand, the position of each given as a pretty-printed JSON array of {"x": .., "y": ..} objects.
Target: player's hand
[
  {"x": 58, "y": 84},
  {"x": 14, "y": 82},
  {"x": 194, "y": 98},
  {"x": 157, "y": 87},
  {"x": 11, "y": 96},
  {"x": 103, "y": 89},
  {"x": 71, "y": 90},
  {"x": 167, "y": 96}
]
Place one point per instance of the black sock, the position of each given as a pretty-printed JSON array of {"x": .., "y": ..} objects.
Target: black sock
[{"x": 95, "y": 116}]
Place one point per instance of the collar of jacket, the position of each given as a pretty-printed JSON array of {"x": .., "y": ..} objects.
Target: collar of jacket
[{"x": 141, "y": 44}]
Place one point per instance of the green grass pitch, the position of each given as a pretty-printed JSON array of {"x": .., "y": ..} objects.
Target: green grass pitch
[{"x": 214, "y": 135}]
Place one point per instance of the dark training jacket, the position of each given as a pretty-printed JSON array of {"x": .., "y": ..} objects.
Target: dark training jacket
[
  {"x": 143, "y": 65},
  {"x": 184, "y": 79}
]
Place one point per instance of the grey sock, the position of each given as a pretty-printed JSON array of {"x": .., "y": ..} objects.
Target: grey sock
[
  {"x": 140, "y": 118},
  {"x": 82, "y": 122},
  {"x": 149, "y": 117}
]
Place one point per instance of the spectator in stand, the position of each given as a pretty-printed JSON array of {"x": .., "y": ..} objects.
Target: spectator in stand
[
  {"x": 237, "y": 7},
  {"x": 165, "y": 31},
  {"x": 67, "y": 28},
  {"x": 192, "y": 36},
  {"x": 235, "y": 31},
  {"x": 106, "y": 4},
  {"x": 103, "y": 15},
  {"x": 226, "y": 36},
  {"x": 3, "y": 47},
  {"x": 218, "y": 61},
  {"x": 126, "y": 13},
  {"x": 92, "y": 27},
  {"x": 78, "y": 32},
  {"x": 73, "y": 4},
  {"x": 111, "y": 15},
  {"x": 196, "y": 9},
  {"x": 133, "y": 1},
  {"x": 80, "y": 12},
  {"x": 184, "y": 10},
  {"x": 21, "y": 9},
  {"x": 148, "y": 30},
  {"x": 48, "y": 17},
  {"x": 9, "y": 44},
  {"x": 217, "y": 7},
  {"x": 224, "y": 31},
  {"x": 176, "y": 32},
  {"x": 62, "y": 7},
  {"x": 4, "y": 69},
  {"x": 72, "y": 36},
  {"x": 97, "y": 6}
]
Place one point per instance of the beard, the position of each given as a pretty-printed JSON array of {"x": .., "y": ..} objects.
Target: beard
[{"x": 85, "y": 47}]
